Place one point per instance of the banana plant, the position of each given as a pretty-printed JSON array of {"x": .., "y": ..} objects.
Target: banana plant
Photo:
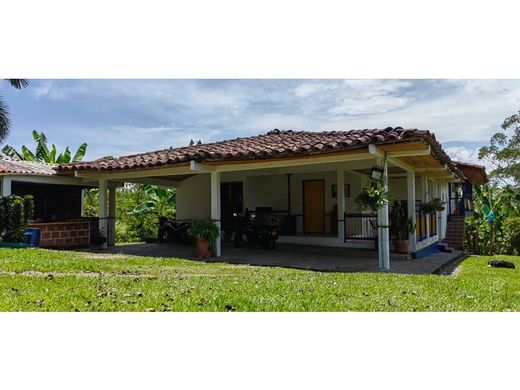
[
  {"x": 160, "y": 201},
  {"x": 42, "y": 153}
]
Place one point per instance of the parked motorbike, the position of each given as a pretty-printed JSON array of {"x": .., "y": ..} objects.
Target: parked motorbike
[
  {"x": 252, "y": 233},
  {"x": 173, "y": 231}
]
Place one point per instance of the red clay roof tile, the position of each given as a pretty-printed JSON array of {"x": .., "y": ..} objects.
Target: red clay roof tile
[
  {"x": 26, "y": 167},
  {"x": 274, "y": 144}
]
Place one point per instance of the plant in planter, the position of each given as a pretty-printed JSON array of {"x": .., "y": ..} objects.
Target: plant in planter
[
  {"x": 205, "y": 232},
  {"x": 436, "y": 204},
  {"x": 374, "y": 198},
  {"x": 401, "y": 226}
]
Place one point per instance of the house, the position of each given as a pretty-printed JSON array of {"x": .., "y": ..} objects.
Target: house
[
  {"x": 307, "y": 180},
  {"x": 58, "y": 201}
]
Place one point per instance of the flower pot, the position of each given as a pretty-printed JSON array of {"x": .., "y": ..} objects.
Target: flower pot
[
  {"x": 203, "y": 248},
  {"x": 401, "y": 246}
]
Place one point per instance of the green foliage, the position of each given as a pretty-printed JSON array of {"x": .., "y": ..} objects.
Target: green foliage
[
  {"x": 512, "y": 235},
  {"x": 159, "y": 201},
  {"x": 503, "y": 152},
  {"x": 204, "y": 229},
  {"x": 43, "y": 154},
  {"x": 374, "y": 198},
  {"x": 484, "y": 235},
  {"x": 436, "y": 204},
  {"x": 15, "y": 213},
  {"x": 401, "y": 226},
  {"x": 138, "y": 209},
  {"x": 5, "y": 121}
]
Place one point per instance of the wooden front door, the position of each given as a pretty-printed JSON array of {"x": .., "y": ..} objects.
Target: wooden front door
[{"x": 314, "y": 206}]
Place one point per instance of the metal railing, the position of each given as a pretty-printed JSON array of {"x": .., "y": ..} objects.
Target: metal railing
[
  {"x": 360, "y": 226},
  {"x": 286, "y": 222}
]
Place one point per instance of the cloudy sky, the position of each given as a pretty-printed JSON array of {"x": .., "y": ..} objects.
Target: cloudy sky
[{"x": 117, "y": 117}]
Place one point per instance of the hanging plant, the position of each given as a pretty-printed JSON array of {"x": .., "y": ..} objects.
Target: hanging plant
[
  {"x": 436, "y": 204},
  {"x": 373, "y": 198}
]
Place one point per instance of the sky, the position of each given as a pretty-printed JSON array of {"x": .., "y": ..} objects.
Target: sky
[{"x": 120, "y": 117}]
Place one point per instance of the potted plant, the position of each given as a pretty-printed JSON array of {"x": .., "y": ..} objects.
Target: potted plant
[
  {"x": 205, "y": 232},
  {"x": 373, "y": 198},
  {"x": 401, "y": 226}
]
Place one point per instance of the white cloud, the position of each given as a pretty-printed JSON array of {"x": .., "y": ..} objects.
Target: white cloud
[
  {"x": 463, "y": 154},
  {"x": 145, "y": 130},
  {"x": 375, "y": 104},
  {"x": 128, "y": 116},
  {"x": 306, "y": 90}
]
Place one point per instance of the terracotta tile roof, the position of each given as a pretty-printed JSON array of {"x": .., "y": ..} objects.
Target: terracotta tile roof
[
  {"x": 473, "y": 172},
  {"x": 274, "y": 144},
  {"x": 26, "y": 167}
]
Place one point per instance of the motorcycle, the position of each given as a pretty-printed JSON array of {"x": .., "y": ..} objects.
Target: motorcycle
[
  {"x": 248, "y": 230},
  {"x": 173, "y": 231}
]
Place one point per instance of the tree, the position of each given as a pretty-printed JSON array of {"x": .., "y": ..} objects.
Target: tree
[
  {"x": 5, "y": 120},
  {"x": 503, "y": 152},
  {"x": 42, "y": 152}
]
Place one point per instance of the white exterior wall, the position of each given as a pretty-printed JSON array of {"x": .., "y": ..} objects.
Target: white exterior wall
[{"x": 194, "y": 197}]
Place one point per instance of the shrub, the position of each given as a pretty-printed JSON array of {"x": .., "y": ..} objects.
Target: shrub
[
  {"x": 15, "y": 214},
  {"x": 512, "y": 236}
]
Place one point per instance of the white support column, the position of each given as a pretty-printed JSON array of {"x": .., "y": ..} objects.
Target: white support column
[
  {"x": 444, "y": 214},
  {"x": 438, "y": 194},
  {"x": 102, "y": 211},
  {"x": 215, "y": 208},
  {"x": 410, "y": 185},
  {"x": 383, "y": 223},
  {"x": 340, "y": 182},
  {"x": 111, "y": 236},
  {"x": 6, "y": 186},
  {"x": 425, "y": 198}
]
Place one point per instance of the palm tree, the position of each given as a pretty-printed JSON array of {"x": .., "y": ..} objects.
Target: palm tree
[
  {"x": 5, "y": 121},
  {"x": 43, "y": 154}
]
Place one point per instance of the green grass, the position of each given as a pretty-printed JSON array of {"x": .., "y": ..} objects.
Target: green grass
[{"x": 42, "y": 280}]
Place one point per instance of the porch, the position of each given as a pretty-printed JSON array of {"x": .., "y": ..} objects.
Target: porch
[{"x": 311, "y": 258}]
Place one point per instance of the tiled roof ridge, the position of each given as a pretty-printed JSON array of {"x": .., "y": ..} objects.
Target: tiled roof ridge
[
  {"x": 13, "y": 166},
  {"x": 271, "y": 132},
  {"x": 12, "y": 160},
  {"x": 273, "y": 144}
]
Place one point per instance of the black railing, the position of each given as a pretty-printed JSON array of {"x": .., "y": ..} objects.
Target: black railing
[
  {"x": 360, "y": 226},
  {"x": 286, "y": 222}
]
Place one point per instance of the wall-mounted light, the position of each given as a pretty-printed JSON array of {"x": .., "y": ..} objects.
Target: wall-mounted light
[{"x": 376, "y": 174}]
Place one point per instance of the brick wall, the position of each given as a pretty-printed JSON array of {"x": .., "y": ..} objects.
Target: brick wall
[{"x": 64, "y": 234}]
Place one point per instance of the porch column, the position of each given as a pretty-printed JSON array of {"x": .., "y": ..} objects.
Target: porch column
[
  {"x": 6, "y": 186},
  {"x": 102, "y": 211},
  {"x": 215, "y": 208},
  {"x": 111, "y": 236},
  {"x": 410, "y": 185},
  {"x": 340, "y": 182},
  {"x": 438, "y": 214},
  {"x": 444, "y": 213},
  {"x": 383, "y": 223},
  {"x": 425, "y": 197}
]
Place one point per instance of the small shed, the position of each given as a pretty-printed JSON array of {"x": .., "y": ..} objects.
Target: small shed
[{"x": 58, "y": 201}]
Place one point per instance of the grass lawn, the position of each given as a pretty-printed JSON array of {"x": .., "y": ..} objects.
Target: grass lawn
[{"x": 43, "y": 280}]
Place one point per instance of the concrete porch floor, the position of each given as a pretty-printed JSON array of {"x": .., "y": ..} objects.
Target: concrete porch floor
[{"x": 296, "y": 256}]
